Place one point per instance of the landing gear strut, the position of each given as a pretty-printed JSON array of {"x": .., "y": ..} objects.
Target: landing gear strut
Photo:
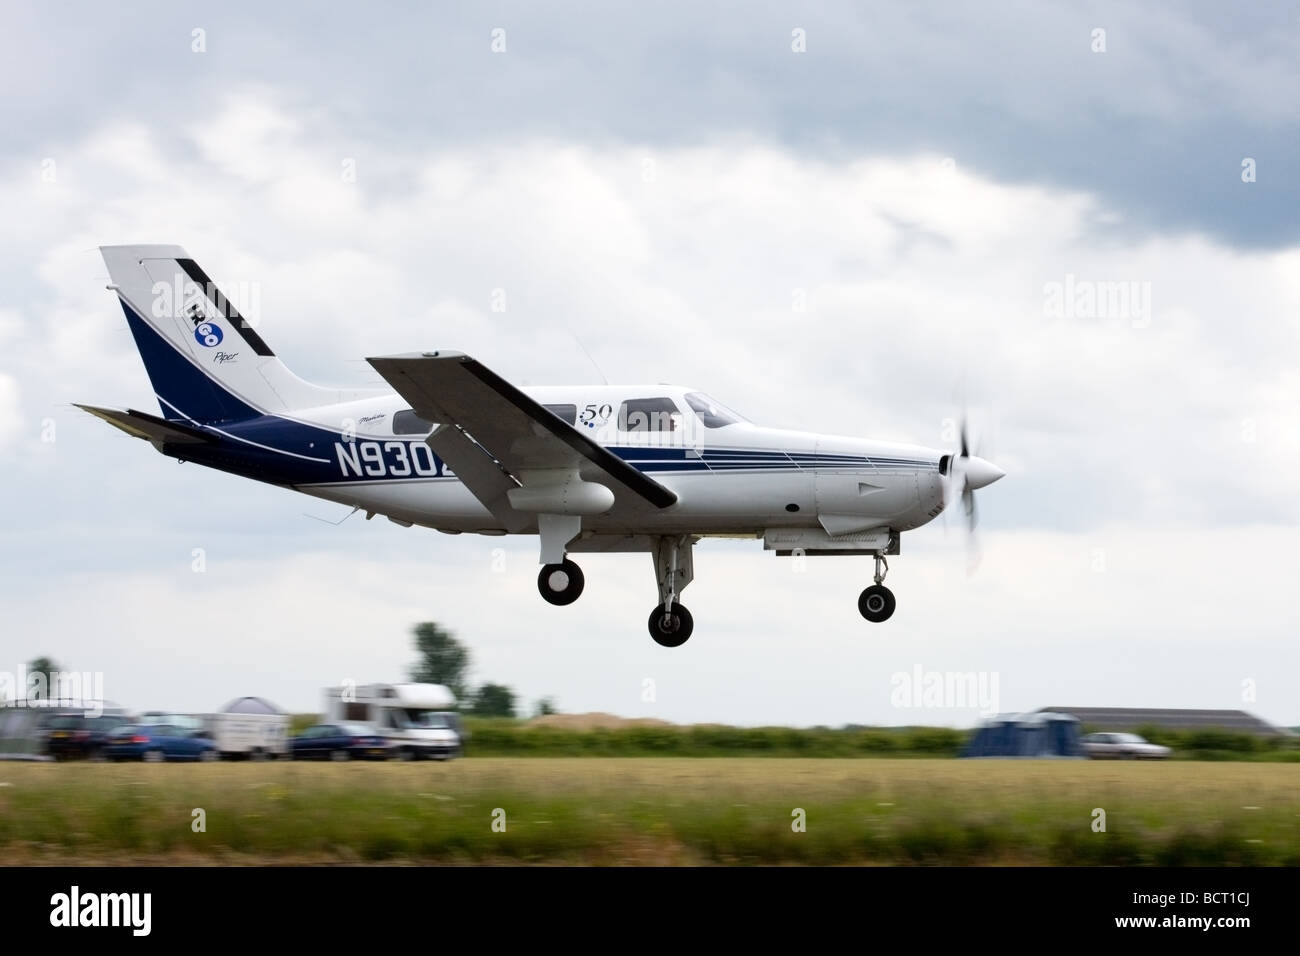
[
  {"x": 876, "y": 603},
  {"x": 560, "y": 580},
  {"x": 670, "y": 623},
  {"x": 561, "y": 583}
]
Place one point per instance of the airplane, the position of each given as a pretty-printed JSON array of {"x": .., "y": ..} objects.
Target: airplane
[{"x": 455, "y": 447}]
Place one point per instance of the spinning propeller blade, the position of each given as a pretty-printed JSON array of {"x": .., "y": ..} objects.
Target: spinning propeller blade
[{"x": 966, "y": 474}]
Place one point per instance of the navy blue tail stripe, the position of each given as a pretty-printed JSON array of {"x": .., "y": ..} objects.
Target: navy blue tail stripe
[{"x": 179, "y": 383}]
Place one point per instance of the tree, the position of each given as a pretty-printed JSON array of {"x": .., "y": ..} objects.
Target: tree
[
  {"x": 43, "y": 687},
  {"x": 443, "y": 659},
  {"x": 494, "y": 700},
  {"x": 545, "y": 706}
]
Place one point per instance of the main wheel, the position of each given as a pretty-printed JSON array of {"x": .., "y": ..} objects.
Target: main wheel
[
  {"x": 560, "y": 583},
  {"x": 671, "y": 629},
  {"x": 876, "y": 603}
]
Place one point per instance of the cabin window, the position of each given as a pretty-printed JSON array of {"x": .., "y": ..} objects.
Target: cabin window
[
  {"x": 712, "y": 414},
  {"x": 568, "y": 412},
  {"x": 649, "y": 415},
  {"x": 406, "y": 422}
]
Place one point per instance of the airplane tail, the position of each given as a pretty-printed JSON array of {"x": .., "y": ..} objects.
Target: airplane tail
[{"x": 206, "y": 362}]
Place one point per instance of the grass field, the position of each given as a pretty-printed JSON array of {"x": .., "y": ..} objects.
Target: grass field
[{"x": 654, "y": 810}]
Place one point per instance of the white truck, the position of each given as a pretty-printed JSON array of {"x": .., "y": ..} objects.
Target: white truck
[
  {"x": 249, "y": 728},
  {"x": 417, "y": 719}
]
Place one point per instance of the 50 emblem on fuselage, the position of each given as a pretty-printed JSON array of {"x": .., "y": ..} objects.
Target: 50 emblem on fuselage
[{"x": 389, "y": 459}]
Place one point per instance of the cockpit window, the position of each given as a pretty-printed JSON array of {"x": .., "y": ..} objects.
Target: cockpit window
[
  {"x": 649, "y": 415},
  {"x": 712, "y": 414},
  {"x": 406, "y": 422},
  {"x": 568, "y": 412}
]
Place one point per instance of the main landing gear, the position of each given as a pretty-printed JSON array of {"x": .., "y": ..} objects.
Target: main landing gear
[
  {"x": 876, "y": 603},
  {"x": 561, "y": 581}
]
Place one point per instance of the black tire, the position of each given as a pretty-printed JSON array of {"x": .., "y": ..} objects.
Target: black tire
[
  {"x": 570, "y": 585},
  {"x": 339, "y": 755},
  {"x": 153, "y": 756},
  {"x": 876, "y": 603},
  {"x": 672, "y": 629}
]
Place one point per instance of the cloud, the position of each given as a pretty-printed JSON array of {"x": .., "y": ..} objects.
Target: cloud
[
  {"x": 867, "y": 295},
  {"x": 1157, "y": 125},
  {"x": 11, "y": 418}
]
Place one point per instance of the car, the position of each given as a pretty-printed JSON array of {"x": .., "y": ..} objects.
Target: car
[
  {"x": 70, "y": 736},
  {"x": 1122, "y": 747},
  {"x": 340, "y": 741},
  {"x": 156, "y": 742}
]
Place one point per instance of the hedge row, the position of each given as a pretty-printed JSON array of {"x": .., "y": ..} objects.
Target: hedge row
[
  {"x": 502, "y": 737},
  {"x": 495, "y": 737}
]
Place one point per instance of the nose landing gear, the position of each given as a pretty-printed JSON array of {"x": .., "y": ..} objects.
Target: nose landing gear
[
  {"x": 670, "y": 623},
  {"x": 876, "y": 603},
  {"x": 671, "y": 628}
]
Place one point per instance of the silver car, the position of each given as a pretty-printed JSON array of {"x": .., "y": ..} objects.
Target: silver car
[{"x": 1122, "y": 747}]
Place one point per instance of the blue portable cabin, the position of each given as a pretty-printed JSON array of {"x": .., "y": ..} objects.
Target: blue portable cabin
[{"x": 1026, "y": 735}]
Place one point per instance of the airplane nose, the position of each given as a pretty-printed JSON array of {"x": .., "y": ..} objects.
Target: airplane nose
[{"x": 980, "y": 473}]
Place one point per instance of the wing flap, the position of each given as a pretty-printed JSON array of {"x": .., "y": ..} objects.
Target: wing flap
[{"x": 481, "y": 474}]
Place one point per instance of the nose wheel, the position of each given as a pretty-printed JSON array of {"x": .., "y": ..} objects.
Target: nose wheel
[
  {"x": 670, "y": 623},
  {"x": 560, "y": 583},
  {"x": 876, "y": 603}
]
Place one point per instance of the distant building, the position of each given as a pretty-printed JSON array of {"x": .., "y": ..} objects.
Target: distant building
[{"x": 1131, "y": 718}]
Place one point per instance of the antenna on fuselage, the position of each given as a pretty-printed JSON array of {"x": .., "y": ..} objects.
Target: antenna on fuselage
[
  {"x": 335, "y": 523},
  {"x": 589, "y": 358}
]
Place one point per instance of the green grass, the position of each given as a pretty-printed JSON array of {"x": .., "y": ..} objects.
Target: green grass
[{"x": 665, "y": 810}]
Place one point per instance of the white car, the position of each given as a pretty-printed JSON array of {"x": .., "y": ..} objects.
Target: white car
[{"x": 1122, "y": 747}]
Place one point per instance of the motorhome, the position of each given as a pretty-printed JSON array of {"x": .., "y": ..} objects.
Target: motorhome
[{"x": 418, "y": 720}]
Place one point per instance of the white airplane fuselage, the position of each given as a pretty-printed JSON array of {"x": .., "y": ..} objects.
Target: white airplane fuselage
[{"x": 737, "y": 479}]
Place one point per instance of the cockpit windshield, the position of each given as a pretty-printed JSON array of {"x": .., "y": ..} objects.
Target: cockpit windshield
[{"x": 712, "y": 414}]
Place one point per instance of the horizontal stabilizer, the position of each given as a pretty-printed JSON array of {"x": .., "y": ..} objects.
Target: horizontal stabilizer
[{"x": 149, "y": 427}]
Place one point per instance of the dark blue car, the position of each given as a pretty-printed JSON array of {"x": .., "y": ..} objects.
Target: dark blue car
[
  {"x": 72, "y": 735},
  {"x": 343, "y": 741},
  {"x": 158, "y": 742}
]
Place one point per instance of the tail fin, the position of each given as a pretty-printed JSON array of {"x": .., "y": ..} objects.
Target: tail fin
[{"x": 206, "y": 362}]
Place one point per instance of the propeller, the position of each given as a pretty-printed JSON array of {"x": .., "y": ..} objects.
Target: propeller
[{"x": 967, "y": 473}]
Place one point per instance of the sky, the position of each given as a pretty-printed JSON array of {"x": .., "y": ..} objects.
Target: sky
[{"x": 860, "y": 219}]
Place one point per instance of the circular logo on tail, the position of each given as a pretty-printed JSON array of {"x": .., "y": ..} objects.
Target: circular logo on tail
[{"x": 207, "y": 334}]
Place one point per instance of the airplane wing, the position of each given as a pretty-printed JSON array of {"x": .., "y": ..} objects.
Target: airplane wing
[{"x": 490, "y": 433}]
